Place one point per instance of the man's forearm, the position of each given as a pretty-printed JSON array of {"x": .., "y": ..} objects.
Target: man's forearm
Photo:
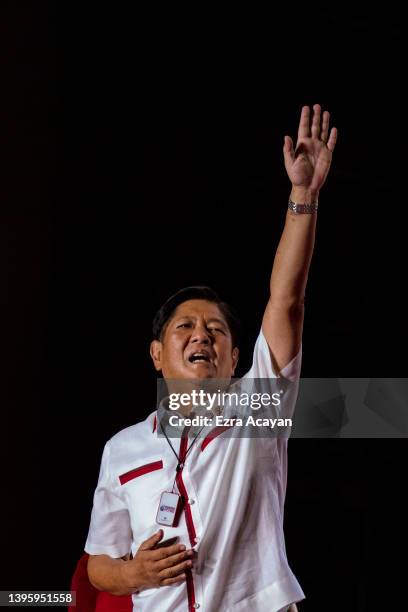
[
  {"x": 106, "y": 574},
  {"x": 294, "y": 254}
]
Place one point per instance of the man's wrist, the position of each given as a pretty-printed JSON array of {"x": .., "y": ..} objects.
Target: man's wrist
[
  {"x": 127, "y": 581},
  {"x": 303, "y": 195}
]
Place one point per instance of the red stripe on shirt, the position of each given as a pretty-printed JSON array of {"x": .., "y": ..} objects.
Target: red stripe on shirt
[
  {"x": 189, "y": 518},
  {"x": 190, "y": 590},
  {"x": 183, "y": 491},
  {"x": 213, "y": 434},
  {"x": 187, "y": 509},
  {"x": 143, "y": 469}
]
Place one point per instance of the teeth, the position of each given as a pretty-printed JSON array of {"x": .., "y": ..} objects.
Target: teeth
[{"x": 199, "y": 357}]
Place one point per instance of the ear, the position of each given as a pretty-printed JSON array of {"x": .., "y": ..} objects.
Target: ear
[
  {"x": 235, "y": 356},
  {"x": 156, "y": 354}
]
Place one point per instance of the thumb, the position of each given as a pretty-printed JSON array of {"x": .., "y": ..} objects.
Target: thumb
[
  {"x": 288, "y": 151},
  {"x": 152, "y": 541}
]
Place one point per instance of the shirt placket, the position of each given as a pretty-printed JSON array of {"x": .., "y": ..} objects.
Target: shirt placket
[{"x": 193, "y": 521}]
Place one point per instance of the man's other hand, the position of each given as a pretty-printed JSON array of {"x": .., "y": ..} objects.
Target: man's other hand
[{"x": 156, "y": 565}]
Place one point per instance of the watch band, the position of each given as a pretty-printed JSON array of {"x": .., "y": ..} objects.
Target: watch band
[{"x": 303, "y": 208}]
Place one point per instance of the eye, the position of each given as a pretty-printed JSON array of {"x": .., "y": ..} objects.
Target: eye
[
  {"x": 216, "y": 329},
  {"x": 183, "y": 325}
]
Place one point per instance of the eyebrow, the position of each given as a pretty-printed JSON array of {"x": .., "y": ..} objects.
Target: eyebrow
[{"x": 212, "y": 320}]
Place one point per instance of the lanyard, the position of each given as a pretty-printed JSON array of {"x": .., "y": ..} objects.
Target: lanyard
[{"x": 180, "y": 460}]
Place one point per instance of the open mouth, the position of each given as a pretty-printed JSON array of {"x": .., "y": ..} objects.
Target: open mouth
[{"x": 199, "y": 357}]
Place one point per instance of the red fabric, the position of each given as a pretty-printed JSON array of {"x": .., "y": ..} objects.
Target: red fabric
[
  {"x": 189, "y": 518},
  {"x": 214, "y": 433},
  {"x": 113, "y": 603},
  {"x": 217, "y": 431},
  {"x": 89, "y": 599},
  {"x": 143, "y": 469},
  {"x": 86, "y": 594}
]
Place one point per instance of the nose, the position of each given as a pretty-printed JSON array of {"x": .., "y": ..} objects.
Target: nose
[{"x": 201, "y": 334}]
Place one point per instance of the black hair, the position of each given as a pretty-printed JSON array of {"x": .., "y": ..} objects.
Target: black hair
[{"x": 166, "y": 311}]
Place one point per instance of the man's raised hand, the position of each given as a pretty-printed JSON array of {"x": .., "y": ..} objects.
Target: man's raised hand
[{"x": 309, "y": 162}]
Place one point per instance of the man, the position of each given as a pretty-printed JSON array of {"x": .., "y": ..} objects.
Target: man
[{"x": 226, "y": 552}]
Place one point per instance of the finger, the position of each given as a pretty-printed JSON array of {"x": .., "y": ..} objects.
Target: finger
[
  {"x": 175, "y": 580},
  {"x": 333, "y": 139},
  {"x": 175, "y": 570},
  {"x": 168, "y": 542},
  {"x": 174, "y": 559},
  {"x": 316, "y": 121},
  {"x": 167, "y": 551},
  {"x": 152, "y": 541},
  {"x": 325, "y": 126},
  {"x": 304, "y": 127},
  {"x": 288, "y": 151}
]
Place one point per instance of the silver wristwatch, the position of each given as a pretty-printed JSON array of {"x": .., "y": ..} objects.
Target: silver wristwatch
[{"x": 303, "y": 208}]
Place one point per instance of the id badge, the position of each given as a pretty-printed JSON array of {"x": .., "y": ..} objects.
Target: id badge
[{"x": 169, "y": 509}]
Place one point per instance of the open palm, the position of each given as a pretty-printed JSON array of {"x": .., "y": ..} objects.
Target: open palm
[{"x": 308, "y": 164}]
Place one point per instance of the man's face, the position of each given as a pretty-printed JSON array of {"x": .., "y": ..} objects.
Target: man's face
[{"x": 196, "y": 344}]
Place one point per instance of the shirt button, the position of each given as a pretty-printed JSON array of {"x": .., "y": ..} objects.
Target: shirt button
[
  {"x": 196, "y": 539},
  {"x": 191, "y": 501},
  {"x": 196, "y": 605}
]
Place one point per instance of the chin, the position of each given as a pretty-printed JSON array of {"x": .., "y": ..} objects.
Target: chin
[{"x": 203, "y": 372}]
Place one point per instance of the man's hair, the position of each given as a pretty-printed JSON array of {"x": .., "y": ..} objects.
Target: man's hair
[{"x": 166, "y": 311}]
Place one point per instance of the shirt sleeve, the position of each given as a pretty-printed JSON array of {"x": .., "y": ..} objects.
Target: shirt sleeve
[
  {"x": 109, "y": 531},
  {"x": 263, "y": 379},
  {"x": 262, "y": 366}
]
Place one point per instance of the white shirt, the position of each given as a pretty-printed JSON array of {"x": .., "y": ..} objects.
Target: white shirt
[{"x": 234, "y": 516}]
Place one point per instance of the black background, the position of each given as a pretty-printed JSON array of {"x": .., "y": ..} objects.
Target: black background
[{"x": 144, "y": 153}]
